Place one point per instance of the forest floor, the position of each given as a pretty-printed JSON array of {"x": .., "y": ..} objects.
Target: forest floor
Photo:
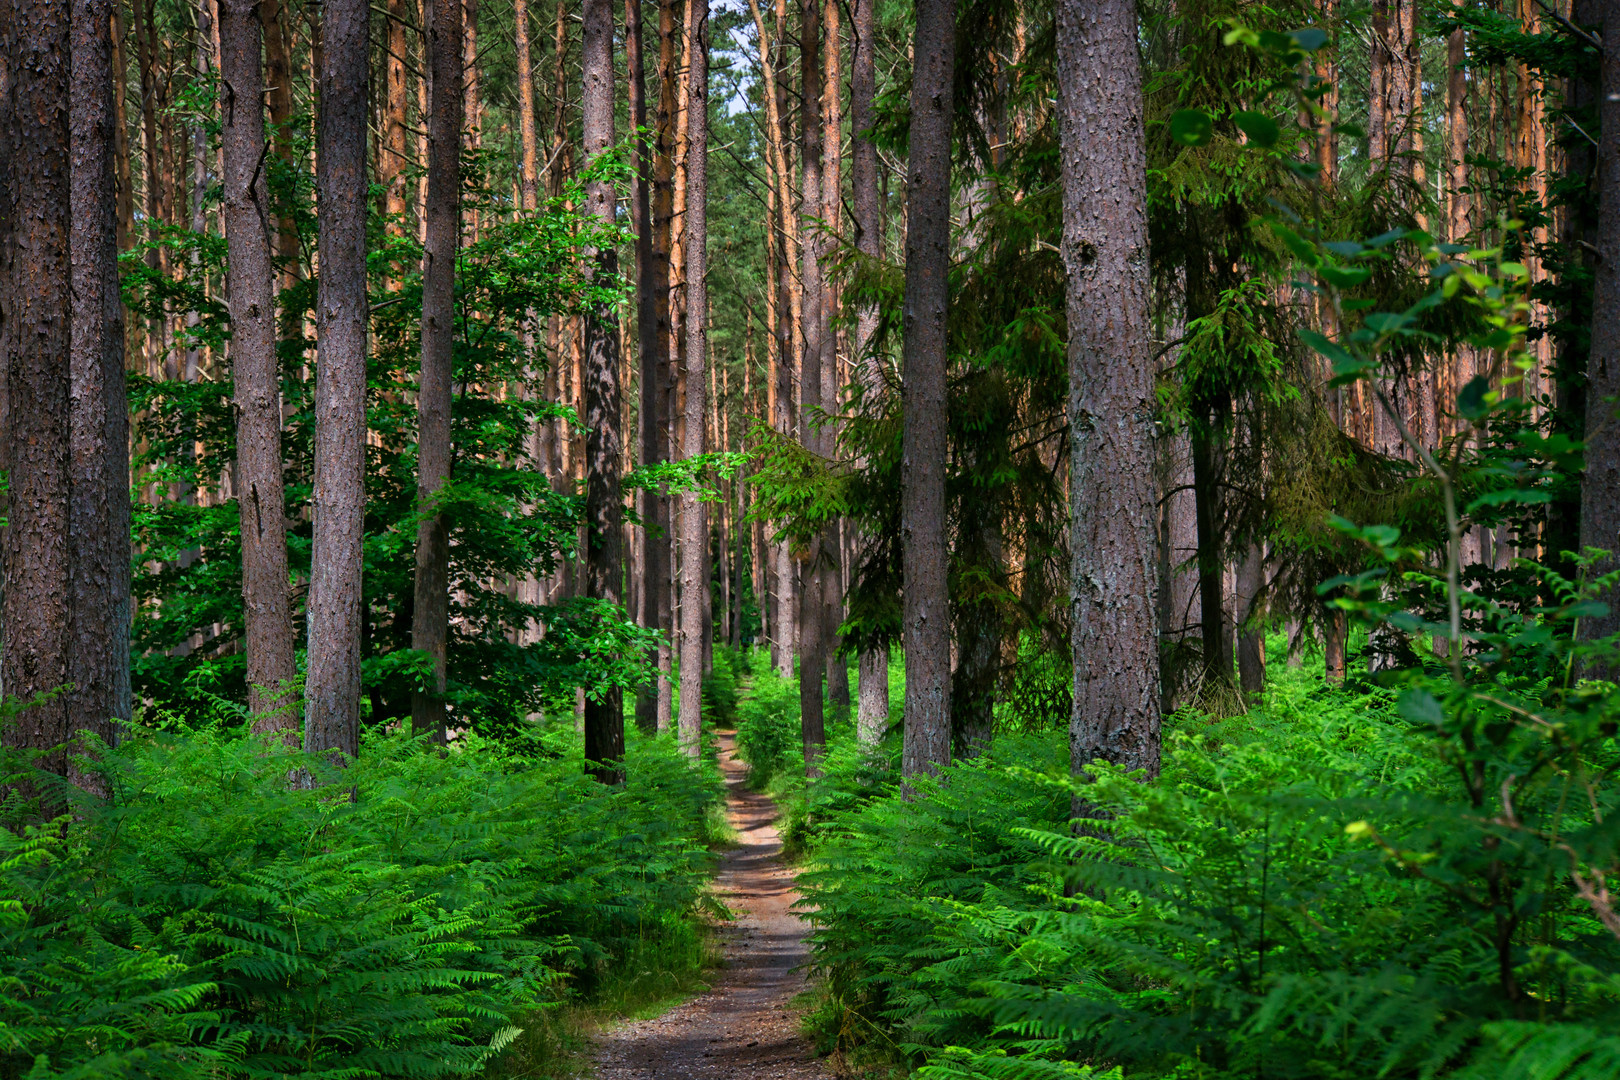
[{"x": 746, "y": 1026}]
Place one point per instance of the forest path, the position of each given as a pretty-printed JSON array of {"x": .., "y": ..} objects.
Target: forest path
[{"x": 744, "y": 1027}]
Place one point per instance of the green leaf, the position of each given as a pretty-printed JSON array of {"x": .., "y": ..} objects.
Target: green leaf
[
  {"x": 1345, "y": 277},
  {"x": 1512, "y": 496},
  {"x": 1259, "y": 127},
  {"x": 1191, "y": 127}
]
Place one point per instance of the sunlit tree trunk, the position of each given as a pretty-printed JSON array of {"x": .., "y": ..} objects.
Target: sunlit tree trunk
[
  {"x": 430, "y": 624},
  {"x": 659, "y": 583},
  {"x": 604, "y": 716},
  {"x": 394, "y": 155},
  {"x": 832, "y": 589},
  {"x": 922, "y": 523},
  {"x": 332, "y": 686},
  {"x": 1111, "y": 395}
]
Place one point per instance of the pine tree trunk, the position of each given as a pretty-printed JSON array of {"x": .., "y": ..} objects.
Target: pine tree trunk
[
  {"x": 660, "y": 561},
  {"x": 332, "y": 686},
  {"x": 1600, "y": 488},
  {"x": 430, "y": 624},
  {"x": 872, "y": 710},
  {"x": 604, "y": 716},
  {"x": 250, "y": 280},
  {"x": 1251, "y": 658},
  {"x": 812, "y": 619},
  {"x": 1111, "y": 396},
  {"x": 832, "y": 589},
  {"x": 528, "y": 137},
  {"x": 98, "y": 447},
  {"x": 38, "y": 329},
  {"x": 922, "y": 522},
  {"x": 394, "y": 155},
  {"x": 278, "y": 91},
  {"x": 1208, "y": 459},
  {"x": 694, "y": 517}
]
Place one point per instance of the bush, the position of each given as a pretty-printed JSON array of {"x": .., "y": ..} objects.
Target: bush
[
  {"x": 768, "y": 736},
  {"x": 213, "y": 918}
]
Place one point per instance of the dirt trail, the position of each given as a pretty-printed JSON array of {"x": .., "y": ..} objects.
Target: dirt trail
[{"x": 744, "y": 1027}]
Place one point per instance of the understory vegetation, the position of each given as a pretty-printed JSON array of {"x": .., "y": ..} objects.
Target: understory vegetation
[
  {"x": 1310, "y": 890},
  {"x": 415, "y": 914}
]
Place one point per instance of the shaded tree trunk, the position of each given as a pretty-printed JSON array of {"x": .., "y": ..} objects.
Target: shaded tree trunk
[
  {"x": 250, "y": 280},
  {"x": 659, "y": 584},
  {"x": 394, "y": 156},
  {"x": 98, "y": 446},
  {"x": 430, "y": 624},
  {"x": 1208, "y": 454},
  {"x": 1111, "y": 397},
  {"x": 872, "y": 710},
  {"x": 1600, "y": 488},
  {"x": 694, "y": 517},
  {"x": 1251, "y": 658},
  {"x": 922, "y": 526},
  {"x": 332, "y": 686},
  {"x": 812, "y": 619},
  {"x": 604, "y": 716},
  {"x": 278, "y": 91}
]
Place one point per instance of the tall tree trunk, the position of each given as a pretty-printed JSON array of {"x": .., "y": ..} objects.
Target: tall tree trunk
[
  {"x": 604, "y": 716},
  {"x": 121, "y": 163},
  {"x": 872, "y": 710},
  {"x": 430, "y": 623},
  {"x": 1111, "y": 397},
  {"x": 394, "y": 155},
  {"x": 660, "y": 562},
  {"x": 652, "y": 300},
  {"x": 1208, "y": 445},
  {"x": 250, "y": 278},
  {"x": 146, "y": 50},
  {"x": 1326, "y": 70},
  {"x": 832, "y": 588},
  {"x": 38, "y": 329},
  {"x": 1600, "y": 488},
  {"x": 528, "y": 137},
  {"x": 278, "y": 90},
  {"x": 332, "y": 686},
  {"x": 922, "y": 523},
  {"x": 694, "y": 516},
  {"x": 812, "y": 619},
  {"x": 98, "y": 438}
]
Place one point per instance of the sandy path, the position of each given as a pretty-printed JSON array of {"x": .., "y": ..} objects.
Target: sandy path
[{"x": 743, "y": 1028}]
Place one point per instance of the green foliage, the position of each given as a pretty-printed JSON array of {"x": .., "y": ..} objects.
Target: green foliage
[
  {"x": 768, "y": 736},
  {"x": 406, "y": 918}
]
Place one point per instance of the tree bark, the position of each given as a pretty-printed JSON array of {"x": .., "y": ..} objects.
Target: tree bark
[
  {"x": 663, "y": 377},
  {"x": 278, "y": 91},
  {"x": 395, "y": 154},
  {"x": 832, "y": 587},
  {"x": 1251, "y": 651},
  {"x": 872, "y": 709},
  {"x": 922, "y": 524},
  {"x": 430, "y": 623},
  {"x": 332, "y": 685},
  {"x": 812, "y": 618},
  {"x": 1600, "y": 488},
  {"x": 98, "y": 516},
  {"x": 694, "y": 516},
  {"x": 1111, "y": 396},
  {"x": 528, "y": 137},
  {"x": 604, "y": 715},
  {"x": 250, "y": 279}
]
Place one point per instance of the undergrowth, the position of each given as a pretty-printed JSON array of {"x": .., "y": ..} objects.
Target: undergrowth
[
  {"x": 1232, "y": 921},
  {"x": 417, "y": 914}
]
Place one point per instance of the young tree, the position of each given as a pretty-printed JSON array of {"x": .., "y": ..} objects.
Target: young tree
[
  {"x": 430, "y": 625},
  {"x": 332, "y": 687},
  {"x": 250, "y": 280},
  {"x": 1111, "y": 394},
  {"x": 872, "y": 708},
  {"x": 922, "y": 528},
  {"x": 694, "y": 519},
  {"x": 604, "y": 716}
]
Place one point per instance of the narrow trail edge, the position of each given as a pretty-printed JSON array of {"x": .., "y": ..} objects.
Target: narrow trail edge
[{"x": 744, "y": 1027}]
